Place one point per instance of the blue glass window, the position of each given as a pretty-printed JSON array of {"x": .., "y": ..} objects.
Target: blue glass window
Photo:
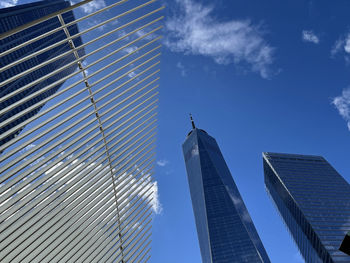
[{"x": 313, "y": 200}]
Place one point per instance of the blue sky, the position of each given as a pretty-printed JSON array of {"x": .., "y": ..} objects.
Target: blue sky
[{"x": 257, "y": 76}]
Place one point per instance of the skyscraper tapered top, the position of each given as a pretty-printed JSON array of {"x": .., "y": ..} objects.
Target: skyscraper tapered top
[{"x": 225, "y": 229}]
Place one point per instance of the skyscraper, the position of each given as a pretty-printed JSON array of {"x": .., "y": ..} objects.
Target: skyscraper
[
  {"x": 16, "y": 16},
  {"x": 314, "y": 202},
  {"x": 225, "y": 229}
]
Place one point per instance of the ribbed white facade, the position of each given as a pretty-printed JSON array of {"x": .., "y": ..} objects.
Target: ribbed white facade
[{"x": 76, "y": 182}]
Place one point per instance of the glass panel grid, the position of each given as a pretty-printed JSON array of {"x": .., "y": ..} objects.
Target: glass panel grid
[{"x": 313, "y": 200}]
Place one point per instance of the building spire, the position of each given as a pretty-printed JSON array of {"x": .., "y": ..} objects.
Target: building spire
[{"x": 193, "y": 126}]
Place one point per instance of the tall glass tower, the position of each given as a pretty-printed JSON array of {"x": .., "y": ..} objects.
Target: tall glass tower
[
  {"x": 16, "y": 16},
  {"x": 314, "y": 201},
  {"x": 225, "y": 229}
]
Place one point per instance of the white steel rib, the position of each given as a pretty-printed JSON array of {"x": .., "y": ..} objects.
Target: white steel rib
[{"x": 77, "y": 161}]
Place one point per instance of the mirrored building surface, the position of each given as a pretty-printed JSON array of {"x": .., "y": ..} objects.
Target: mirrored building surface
[
  {"x": 17, "y": 77},
  {"x": 225, "y": 229},
  {"x": 314, "y": 202}
]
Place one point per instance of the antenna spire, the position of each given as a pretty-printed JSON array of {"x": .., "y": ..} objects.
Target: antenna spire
[{"x": 193, "y": 126}]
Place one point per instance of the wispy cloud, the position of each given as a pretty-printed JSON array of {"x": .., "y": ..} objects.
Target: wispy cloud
[
  {"x": 94, "y": 22},
  {"x": 8, "y": 3},
  {"x": 141, "y": 33},
  {"x": 195, "y": 31},
  {"x": 115, "y": 22},
  {"x": 93, "y": 6},
  {"x": 85, "y": 64},
  {"x": 347, "y": 44},
  {"x": 132, "y": 74},
  {"x": 337, "y": 47},
  {"x": 310, "y": 36},
  {"x": 181, "y": 67},
  {"x": 342, "y": 46},
  {"x": 342, "y": 103},
  {"x": 129, "y": 49},
  {"x": 123, "y": 33},
  {"x": 146, "y": 188},
  {"x": 162, "y": 162},
  {"x": 27, "y": 148},
  {"x": 156, "y": 205}
]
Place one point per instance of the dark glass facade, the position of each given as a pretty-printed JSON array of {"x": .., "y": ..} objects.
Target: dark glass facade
[
  {"x": 225, "y": 229},
  {"x": 314, "y": 202},
  {"x": 13, "y": 17}
]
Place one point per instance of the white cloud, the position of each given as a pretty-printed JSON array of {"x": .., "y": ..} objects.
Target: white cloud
[
  {"x": 141, "y": 33},
  {"x": 195, "y": 31},
  {"x": 342, "y": 103},
  {"x": 93, "y": 6},
  {"x": 342, "y": 45},
  {"x": 8, "y": 3},
  {"x": 140, "y": 187},
  {"x": 162, "y": 162},
  {"x": 94, "y": 22},
  {"x": 347, "y": 44},
  {"x": 131, "y": 74},
  {"x": 337, "y": 47},
  {"x": 122, "y": 33},
  {"x": 85, "y": 64},
  {"x": 65, "y": 187},
  {"x": 180, "y": 66},
  {"x": 310, "y": 36},
  {"x": 156, "y": 205},
  {"x": 115, "y": 22},
  {"x": 27, "y": 148},
  {"x": 129, "y": 49}
]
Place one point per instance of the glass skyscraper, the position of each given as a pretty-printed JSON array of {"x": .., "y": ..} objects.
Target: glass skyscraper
[
  {"x": 225, "y": 229},
  {"x": 314, "y": 201},
  {"x": 16, "y": 16}
]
